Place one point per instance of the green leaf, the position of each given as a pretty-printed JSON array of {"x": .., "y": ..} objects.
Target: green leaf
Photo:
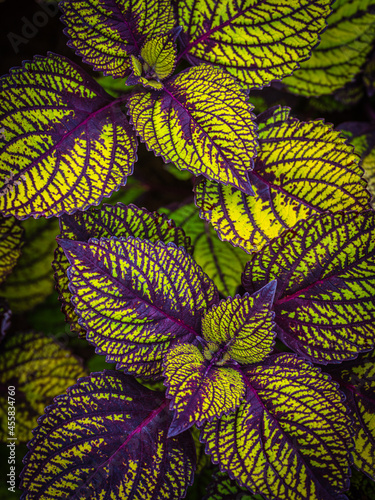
[
  {"x": 39, "y": 369},
  {"x": 357, "y": 379},
  {"x": 107, "y": 438},
  {"x": 10, "y": 245},
  {"x": 200, "y": 389},
  {"x": 289, "y": 439},
  {"x": 105, "y": 33},
  {"x": 119, "y": 221},
  {"x": 302, "y": 168},
  {"x": 65, "y": 145},
  {"x": 325, "y": 299},
  {"x": 137, "y": 298},
  {"x": 242, "y": 326},
  {"x": 257, "y": 41},
  {"x": 222, "y": 262},
  {"x": 362, "y": 136},
  {"x": 343, "y": 50},
  {"x": 32, "y": 278},
  {"x": 202, "y": 122}
]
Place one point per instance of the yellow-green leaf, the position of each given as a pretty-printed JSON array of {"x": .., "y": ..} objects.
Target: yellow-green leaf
[
  {"x": 200, "y": 389},
  {"x": 10, "y": 245},
  {"x": 202, "y": 122},
  {"x": 222, "y": 262},
  {"x": 65, "y": 145},
  {"x": 342, "y": 51},
  {"x": 302, "y": 168},
  {"x": 257, "y": 41}
]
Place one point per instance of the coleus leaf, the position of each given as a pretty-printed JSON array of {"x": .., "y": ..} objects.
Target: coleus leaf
[
  {"x": 357, "y": 379},
  {"x": 120, "y": 221},
  {"x": 204, "y": 386},
  {"x": 202, "y": 122},
  {"x": 38, "y": 368},
  {"x": 302, "y": 168},
  {"x": 342, "y": 51},
  {"x": 107, "y": 438},
  {"x": 157, "y": 61},
  {"x": 289, "y": 438},
  {"x": 10, "y": 245},
  {"x": 199, "y": 388},
  {"x": 105, "y": 33},
  {"x": 325, "y": 270},
  {"x": 256, "y": 41},
  {"x": 362, "y": 136},
  {"x": 65, "y": 145},
  {"x": 32, "y": 278},
  {"x": 241, "y": 327},
  {"x": 136, "y": 299},
  {"x": 222, "y": 262}
]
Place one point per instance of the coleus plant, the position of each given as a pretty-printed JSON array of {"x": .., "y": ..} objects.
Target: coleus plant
[{"x": 155, "y": 292}]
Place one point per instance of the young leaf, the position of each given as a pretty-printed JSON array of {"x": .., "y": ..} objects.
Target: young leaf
[
  {"x": 357, "y": 379},
  {"x": 120, "y": 221},
  {"x": 159, "y": 55},
  {"x": 302, "y": 168},
  {"x": 289, "y": 439},
  {"x": 202, "y": 122},
  {"x": 105, "y": 33},
  {"x": 10, "y": 245},
  {"x": 342, "y": 51},
  {"x": 32, "y": 278},
  {"x": 242, "y": 326},
  {"x": 136, "y": 299},
  {"x": 256, "y": 41},
  {"x": 39, "y": 368},
  {"x": 222, "y": 262},
  {"x": 325, "y": 271},
  {"x": 200, "y": 389},
  {"x": 108, "y": 438},
  {"x": 66, "y": 143}
]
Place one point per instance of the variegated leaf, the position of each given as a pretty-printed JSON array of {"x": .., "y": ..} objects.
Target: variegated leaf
[
  {"x": 242, "y": 327},
  {"x": 325, "y": 299},
  {"x": 342, "y": 51},
  {"x": 202, "y": 122},
  {"x": 290, "y": 438},
  {"x": 39, "y": 369},
  {"x": 302, "y": 168},
  {"x": 106, "y": 32},
  {"x": 200, "y": 389},
  {"x": 257, "y": 41},
  {"x": 107, "y": 438},
  {"x": 10, "y": 245},
  {"x": 357, "y": 380},
  {"x": 136, "y": 299},
  {"x": 65, "y": 144},
  {"x": 120, "y": 221},
  {"x": 362, "y": 136},
  {"x": 222, "y": 261}
]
